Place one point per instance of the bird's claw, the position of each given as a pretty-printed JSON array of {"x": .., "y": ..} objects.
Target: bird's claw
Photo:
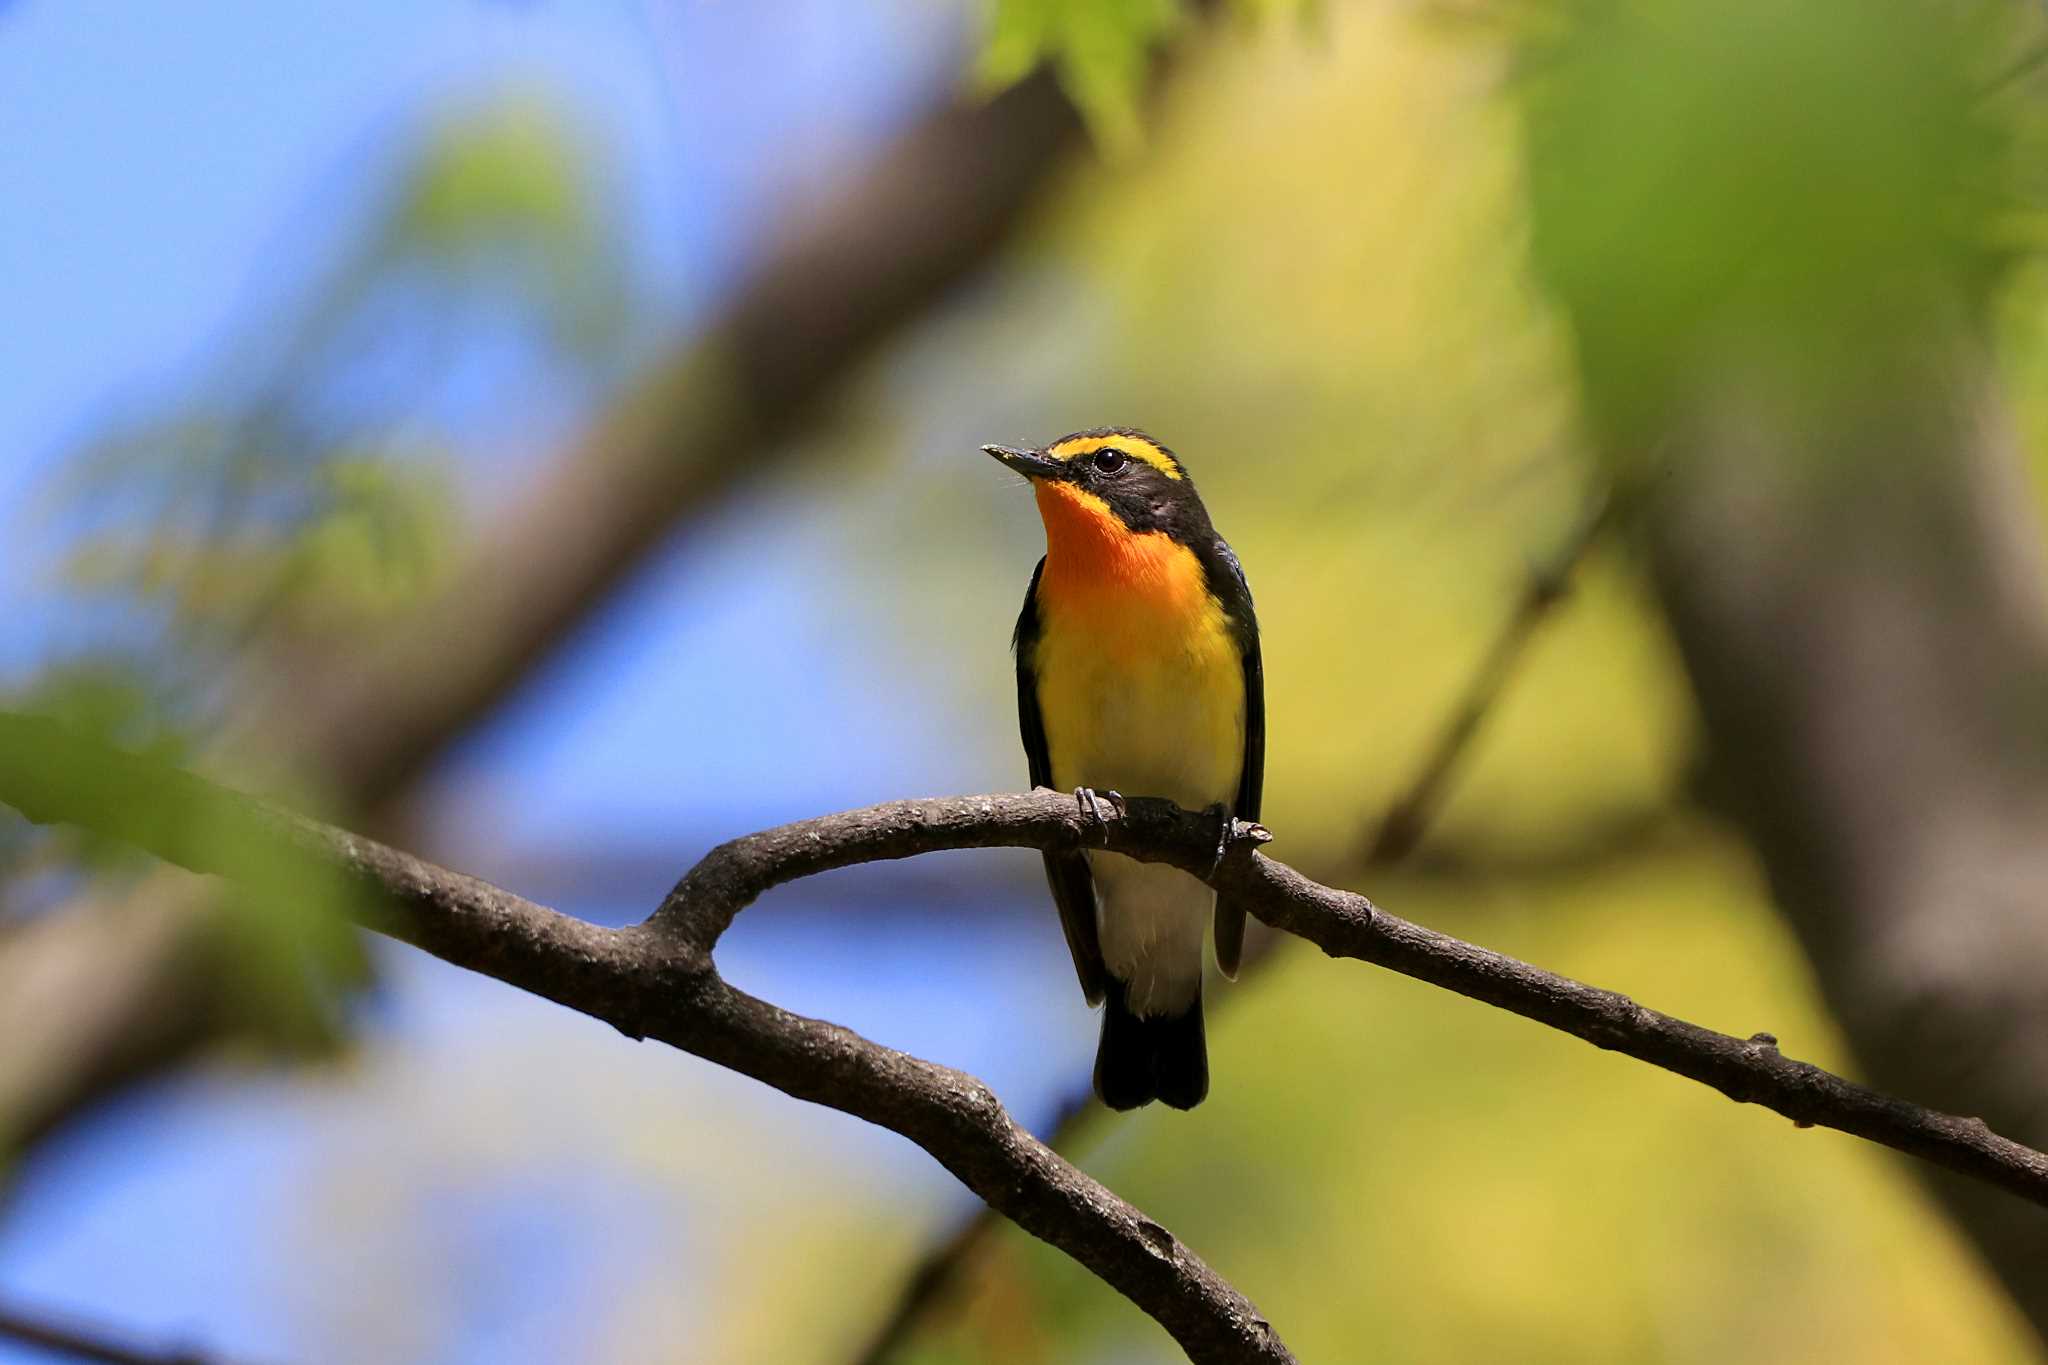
[{"x": 1090, "y": 804}]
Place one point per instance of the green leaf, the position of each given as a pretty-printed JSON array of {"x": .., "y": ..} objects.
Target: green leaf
[
  {"x": 1100, "y": 48},
  {"x": 285, "y": 933}
]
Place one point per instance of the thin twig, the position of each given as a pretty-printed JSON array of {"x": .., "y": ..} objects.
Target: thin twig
[
  {"x": 657, "y": 980},
  {"x": 2025, "y": 65},
  {"x": 1411, "y": 813}
]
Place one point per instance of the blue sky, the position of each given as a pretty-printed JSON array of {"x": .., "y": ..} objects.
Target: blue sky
[{"x": 173, "y": 174}]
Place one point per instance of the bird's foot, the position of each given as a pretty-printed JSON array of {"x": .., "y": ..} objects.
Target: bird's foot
[
  {"x": 1090, "y": 803},
  {"x": 1224, "y": 827}
]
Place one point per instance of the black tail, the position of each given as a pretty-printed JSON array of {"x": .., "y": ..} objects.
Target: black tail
[{"x": 1141, "y": 1060}]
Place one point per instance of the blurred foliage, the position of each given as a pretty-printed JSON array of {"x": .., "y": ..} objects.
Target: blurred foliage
[
  {"x": 305, "y": 489},
  {"x": 101, "y": 699},
  {"x": 284, "y": 933},
  {"x": 1102, "y": 50},
  {"x": 301, "y": 492},
  {"x": 504, "y": 199},
  {"x": 333, "y": 542},
  {"x": 1740, "y": 173}
]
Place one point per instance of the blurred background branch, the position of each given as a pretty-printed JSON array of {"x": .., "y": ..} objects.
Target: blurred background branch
[
  {"x": 69, "y": 1339},
  {"x": 1401, "y": 827},
  {"x": 1861, "y": 664}
]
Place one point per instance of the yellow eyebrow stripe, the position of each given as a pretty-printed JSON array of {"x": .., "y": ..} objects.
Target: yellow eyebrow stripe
[{"x": 1137, "y": 447}]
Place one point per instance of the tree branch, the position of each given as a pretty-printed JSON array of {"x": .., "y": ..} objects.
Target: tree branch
[{"x": 657, "y": 980}]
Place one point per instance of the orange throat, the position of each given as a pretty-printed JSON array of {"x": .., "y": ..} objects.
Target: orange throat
[{"x": 1096, "y": 565}]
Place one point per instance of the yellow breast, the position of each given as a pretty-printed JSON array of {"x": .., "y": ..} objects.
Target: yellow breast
[{"x": 1139, "y": 681}]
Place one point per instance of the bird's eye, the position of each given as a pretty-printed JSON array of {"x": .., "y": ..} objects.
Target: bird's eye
[{"x": 1109, "y": 461}]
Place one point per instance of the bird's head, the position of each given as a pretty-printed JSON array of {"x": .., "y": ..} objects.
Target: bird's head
[{"x": 1099, "y": 489}]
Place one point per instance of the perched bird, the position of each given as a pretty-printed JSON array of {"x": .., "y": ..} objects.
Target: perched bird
[{"x": 1138, "y": 673}]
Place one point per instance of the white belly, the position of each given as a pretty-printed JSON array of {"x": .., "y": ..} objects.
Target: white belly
[{"x": 1150, "y": 919}]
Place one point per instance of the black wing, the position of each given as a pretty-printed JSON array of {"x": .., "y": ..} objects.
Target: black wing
[
  {"x": 1073, "y": 890},
  {"x": 1236, "y": 595}
]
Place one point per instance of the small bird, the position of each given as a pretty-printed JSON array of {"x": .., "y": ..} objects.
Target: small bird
[{"x": 1138, "y": 672}]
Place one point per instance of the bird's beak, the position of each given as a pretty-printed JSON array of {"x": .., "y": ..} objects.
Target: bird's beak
[{"x": 1026, "y": 462}]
